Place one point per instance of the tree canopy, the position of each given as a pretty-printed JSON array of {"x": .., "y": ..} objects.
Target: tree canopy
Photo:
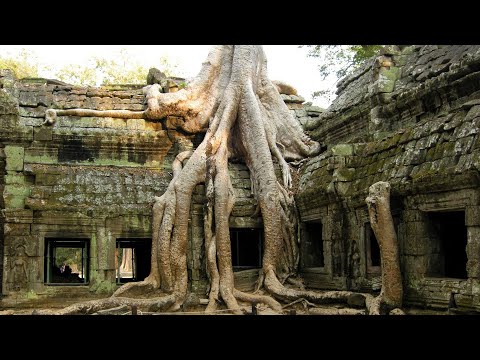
[
  {"x": 121, "y": 69},
  {"x": 24, "y": 64},
  {"x": 339, "y": 61}
]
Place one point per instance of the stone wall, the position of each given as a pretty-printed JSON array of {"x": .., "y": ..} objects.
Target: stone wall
[
  {"x": 410, "y": 116},
  {"x": 421, "y": 134},
  {"x": 2, "y": 207},
  {"x": 89, "y": 178},
  {"x": 94, "y": 178}
]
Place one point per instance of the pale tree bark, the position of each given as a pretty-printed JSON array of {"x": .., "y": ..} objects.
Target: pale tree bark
[
  {"x": 391, "y": 294},
  {"x": 243, "y": 116}
]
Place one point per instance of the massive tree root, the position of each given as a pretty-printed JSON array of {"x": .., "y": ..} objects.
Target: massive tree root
[
  {"x": 391, "y": 294},
  {"x": 243, "y": 117},
  {"x": 93, "y": 306}
]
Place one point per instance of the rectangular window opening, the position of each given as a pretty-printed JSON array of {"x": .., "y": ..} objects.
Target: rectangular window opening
[
  {"x": 67, "y": 261},
  {"x": 448, "y": 256},
  {"x": 312, "y": 254},
  {"x": 373, "y": 250},
  {"x": 133, "y": 259},
  {"x": 247, "y": 248}
]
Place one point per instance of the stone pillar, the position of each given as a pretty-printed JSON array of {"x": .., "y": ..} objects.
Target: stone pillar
[
  {"x": 105, "y": 261},
  {"x": 415, "y": 244},
  {"x": 335, "y": 256},
  {"x": 472, "y": 221},
  {"x": 196, "y": 252},
  {"x": 473, "y": 252}
]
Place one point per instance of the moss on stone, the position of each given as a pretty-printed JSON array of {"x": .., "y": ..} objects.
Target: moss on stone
[
  {"x": 344, "y": 174},
  {"x": 103, "y": 287},
  {"x": 342, "y": 149},
  {"x": 31, "y": 295},
  {"x": 14, "y": 157}
]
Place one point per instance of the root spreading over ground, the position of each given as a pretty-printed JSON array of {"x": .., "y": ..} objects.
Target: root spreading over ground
[{"x": 244, "y": 118}]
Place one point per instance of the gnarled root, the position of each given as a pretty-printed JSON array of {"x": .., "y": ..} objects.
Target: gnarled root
[
  {"x": 91, "y": 307},
  {"x": 244, "y": 117},
  {"x": 254, "y": 298}
]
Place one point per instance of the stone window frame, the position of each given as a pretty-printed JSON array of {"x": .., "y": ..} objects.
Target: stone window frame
[
  {"x": 86, "y": 239},
  {"x": 63, "y": 227},
  {"x": 319, "y": 215},
  {"x": 245, "y": 280},
  {"x": 135, "y": 240},
  {"x": 363, "y": 222},
  {"x": 261, "y": 249},
  {"x": 372, "y": 270},
  {"x": 454, "y": 201},
  {"x": 115, "y": 228}
]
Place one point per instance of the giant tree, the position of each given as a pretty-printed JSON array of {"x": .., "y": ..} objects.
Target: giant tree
[{"x": 243, "y": 116}]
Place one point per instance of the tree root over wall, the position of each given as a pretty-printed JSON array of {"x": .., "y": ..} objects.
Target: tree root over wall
[{"x": 243, "y": 117}]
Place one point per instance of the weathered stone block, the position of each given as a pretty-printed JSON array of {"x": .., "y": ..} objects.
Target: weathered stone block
[
  {"x": 14, "y": 202},
  {"x": 245, "y": 210},
  {"x": 386, "y": 79},
  {"x": 12, "y": 229},
  {"x": 414, "y": 157},
  {"x": 344, "y": 174},
  {"x": 42, "y": 133},
  {"x": 19, "y": 216},
  {"x": 476, "y": 287},
  {"x": 28, "y": 98},
  {"x": 463, "y": 300},
  {"x": 8, "y": 103},
  {"x": 14, "y": 157},
  {"x": 413, "y": 215},
  {"x": 342, "y": 149},
  {"x": 245, "y": 222},
  {"x": 342, "y": 187},
  {"x": 15, "y": 178},
  {"x": 472, "y": 216},
  {"x": 35, "y": 112},
  {"x": 467, "y": 128},
  {"x": 473, "y": 113},
  {"x": 473, "y": 268},
  {"x": 414, "y": 242}
]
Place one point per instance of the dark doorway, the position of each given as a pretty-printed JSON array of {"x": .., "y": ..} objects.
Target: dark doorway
[
  {"x": 247, "y": 248},
  {"x": 373, "y": 250},
  {"x": 66, "y": 261},
  {"x": 449, "y": 256},
  {"x": 312, "y": 249},
  {"x": 133, "y": 259}
]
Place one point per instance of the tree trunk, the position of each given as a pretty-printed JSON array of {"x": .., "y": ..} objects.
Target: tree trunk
[
  {"x": 378, "y": 202},
  {"x": 244, "y": 117}
]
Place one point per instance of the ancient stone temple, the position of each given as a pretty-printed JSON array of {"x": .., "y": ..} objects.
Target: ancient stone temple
[{"x": 76, "y": 196}]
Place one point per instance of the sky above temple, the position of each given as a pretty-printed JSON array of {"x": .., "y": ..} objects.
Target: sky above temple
[{"x": 288, "y": 63}]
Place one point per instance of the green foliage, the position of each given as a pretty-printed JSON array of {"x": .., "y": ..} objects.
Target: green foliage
[
  {"x": 339, "y": 61},
  {"x": 68, "y": 256},
  {"x": 24, "y": 64},
  {"x": 121, "y": 69},
  {"x": 77, "y": 75}
]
